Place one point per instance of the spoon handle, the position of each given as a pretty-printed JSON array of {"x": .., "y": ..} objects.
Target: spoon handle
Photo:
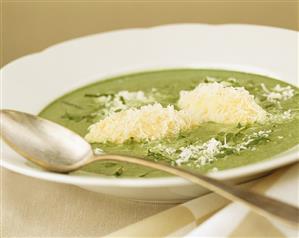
[{"x": 259, "y": 203}]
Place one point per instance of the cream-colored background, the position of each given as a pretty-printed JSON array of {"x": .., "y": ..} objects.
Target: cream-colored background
[
  {"x": 30, "y": 26},
  {"x": 37, "y": 208}
]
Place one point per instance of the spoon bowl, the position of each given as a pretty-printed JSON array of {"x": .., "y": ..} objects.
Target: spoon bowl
[{"x": 43, "y": 142}]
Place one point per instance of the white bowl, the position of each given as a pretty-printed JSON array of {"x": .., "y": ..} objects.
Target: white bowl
[{"x": 33, "y": 81}]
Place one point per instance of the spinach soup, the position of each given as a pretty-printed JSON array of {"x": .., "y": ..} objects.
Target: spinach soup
[{"x": 200, "y": 119}]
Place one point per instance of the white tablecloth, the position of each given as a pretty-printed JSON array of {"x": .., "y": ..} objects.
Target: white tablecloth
[{"x": 32, "y": 207}]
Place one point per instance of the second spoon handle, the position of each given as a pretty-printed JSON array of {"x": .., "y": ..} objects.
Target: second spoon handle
[{"x": 259, "y": 203}]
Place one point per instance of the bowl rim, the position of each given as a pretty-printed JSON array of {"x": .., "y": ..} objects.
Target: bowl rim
[{"x": 152, "y": 182}]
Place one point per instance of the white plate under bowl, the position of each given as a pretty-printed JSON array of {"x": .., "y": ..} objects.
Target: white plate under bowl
[{"x": 31, "y": 82}]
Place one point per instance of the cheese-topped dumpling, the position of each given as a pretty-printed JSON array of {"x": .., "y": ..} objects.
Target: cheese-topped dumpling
[
  {"x": 219, "y": 103},
  {"x": 149, "y": 122}
]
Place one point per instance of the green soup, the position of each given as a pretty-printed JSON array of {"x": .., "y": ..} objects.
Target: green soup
[{"x": 79, "y": 109}]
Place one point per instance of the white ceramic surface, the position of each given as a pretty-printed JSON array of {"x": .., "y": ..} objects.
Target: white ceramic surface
[{"x": 31, "y": 82}]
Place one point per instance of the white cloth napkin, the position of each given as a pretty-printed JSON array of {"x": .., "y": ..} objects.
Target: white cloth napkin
[
  {"x": 213, "y": 216},
  {"x": 241, "y": 219}
]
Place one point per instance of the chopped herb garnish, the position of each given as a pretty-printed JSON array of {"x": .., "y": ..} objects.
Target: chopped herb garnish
[
  {"x": 109, "y": 165},
  {"x": 78, "y": 117},
  {"x": 145, "y": 174},
  {"x": 122, "y": 99},
  {"x": 119, "y": 172},
  {"x": 96, "y": 95},
  {"x": 71, "y": 104}
]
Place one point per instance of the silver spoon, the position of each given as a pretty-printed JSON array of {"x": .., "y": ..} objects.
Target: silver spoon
[{"x": 58, "y": 149}]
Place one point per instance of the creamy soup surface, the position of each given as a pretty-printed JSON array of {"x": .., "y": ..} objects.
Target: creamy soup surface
[{"x": 208, "y": 146}]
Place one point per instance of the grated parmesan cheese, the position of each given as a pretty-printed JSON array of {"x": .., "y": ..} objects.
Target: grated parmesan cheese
[
  {"x": 278, "y": 93},
  {"x": 281, "y": 117},
  {"x": 98, "y": 151},
  {"x": 204, "y": 153},
  {"x": 201, "y": 154},
  {"x": 207, "y": 102},
  {"x": 215, "y": 169},
  {"x": 150, "y": 122},
  {"x": 123, "y": 100},
  {"x": 219, "y": 103}
]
